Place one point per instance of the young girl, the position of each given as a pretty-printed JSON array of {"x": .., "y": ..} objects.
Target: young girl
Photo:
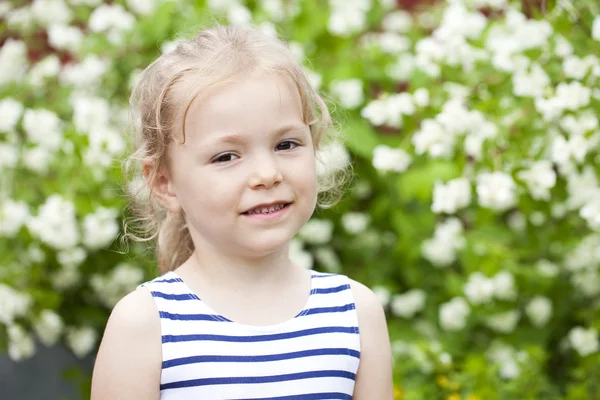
[{"x": 228, "y": 130}]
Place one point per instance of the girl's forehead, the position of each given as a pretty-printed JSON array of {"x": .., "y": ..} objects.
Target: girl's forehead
[{"x": 257, "y": 104}]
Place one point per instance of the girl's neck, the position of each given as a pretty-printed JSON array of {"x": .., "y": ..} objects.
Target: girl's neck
[{"x": 238, "y": 274}]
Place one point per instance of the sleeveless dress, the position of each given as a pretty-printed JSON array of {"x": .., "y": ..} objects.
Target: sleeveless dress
[{"x": 206, "y": 356}]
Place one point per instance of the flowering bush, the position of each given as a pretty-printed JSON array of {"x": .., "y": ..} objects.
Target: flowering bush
[{"x": 474, "y": 215}]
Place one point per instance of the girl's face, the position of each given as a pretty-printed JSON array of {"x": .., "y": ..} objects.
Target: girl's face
[{"x": 246, "y": 147}]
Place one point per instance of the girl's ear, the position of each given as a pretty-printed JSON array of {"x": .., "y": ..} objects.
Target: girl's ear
[{"x": 161, "y": 186}]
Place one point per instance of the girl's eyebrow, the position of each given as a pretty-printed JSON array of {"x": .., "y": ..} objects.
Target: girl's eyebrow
[{"x": 236, "y": 138}]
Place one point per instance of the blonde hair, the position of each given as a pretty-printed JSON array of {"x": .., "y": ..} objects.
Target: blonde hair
[{"x": 159, "y": 104}]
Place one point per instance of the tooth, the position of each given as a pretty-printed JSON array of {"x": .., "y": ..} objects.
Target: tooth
[{"x": 272, "y": 208}]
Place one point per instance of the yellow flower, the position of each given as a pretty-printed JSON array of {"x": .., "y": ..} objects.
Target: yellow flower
[
  {"x": 398, "y": 393},
  {"x": 442, "y": 381},
  {"x": 453, "y": 396}
]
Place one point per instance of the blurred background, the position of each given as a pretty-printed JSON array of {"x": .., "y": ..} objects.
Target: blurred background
[{"x": 474, "y": 211}]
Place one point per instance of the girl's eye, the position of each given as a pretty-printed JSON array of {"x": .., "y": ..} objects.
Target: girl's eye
[
  {"x": 287, "y": 145},
  {"x": 223, "y": 158}
]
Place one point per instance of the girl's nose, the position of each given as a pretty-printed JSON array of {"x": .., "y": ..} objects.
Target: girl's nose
[{"x": 265, "y": 173}]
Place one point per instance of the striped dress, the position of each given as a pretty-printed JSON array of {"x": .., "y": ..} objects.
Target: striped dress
[{"x": 314, "y": 355}]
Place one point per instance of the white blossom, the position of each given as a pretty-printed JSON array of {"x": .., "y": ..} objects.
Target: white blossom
[
  {"x": 20, "y": 18},
  {"x": 348, "y": 92},
  {"x": 317, "y": 231},
  {"x": 398, "y": 21},
  {"x": 13, "y": 215},
  {"x": 454, "y": 314},
  {"x": 13, "y": 304},
  {"x": 49, "y": 327},
  {"x": 389, "y": 110},
  {"x": 9, "y": 156},
  {"x": 100, "y": 228},
  {"x": 504, "y": 286},
  {"x": 10, "y": 113},
  {"x": 64, "y": 37},
  {"x": 448, "y": 239},
  {"x": 402, "y": 68},
  {"x": 505, "y": 322},
  {"x": 55, "y": 224},
  {"x": 112, "y": 287},
  {"x": 389, "y": 159},
  {"x": 504, "y": 356},
  {"x": 49, "y": 67},
  {"x": 409, "y": 303},
  {"x": 47, "y": 12},
  {"x": 37, "y": 159},
  {"x": 13, "y": 61},
  {"x": 239, "y": 15},
  {"x": 539, "y": 311},
  {"x": 530, "y": 84},
  {"x": 479, "y": 289},
  {"x": 496, "y": 190},
  {"x": 355, "y": 222},
  {"x": 20, "y": 344},
  {"x": 579, "y": 125},
  {"x": 143, "y": 7},
  {"x": 71, "y": 257},
  {"x": 383, "y": 295},
  {"x": 44, "y": 128},
  {"x": 346, "y": 21},
  {"x": 540, "y": 178},
  {"x": 299, "y": 256},
  {"x": 89, "y": 112},
  {"x": 584, "y": 341},
  {"x": 421, "y": 97},
  {"x": 452, "y": 196},
  {"x": 332, "y": 158},
  {"x": 596, "y": 28},
  {"x": 591, "y": 214},
  {"x": 563, "y": 150},
  {"x": 81, "y": 340},
  {"x": 112, "y": 20},
  {"x": 547, "y": 268}
]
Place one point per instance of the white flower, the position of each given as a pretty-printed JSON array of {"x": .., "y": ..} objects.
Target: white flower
[
  {"x": 48, "y": 12},
  {"x": 349, "y": 92},
  {"x": 504, "y": 286},
  {"x": 383, "y": 295},
  {"x": 71, "y": 257},
  {"x": 409, "y": 303},
  {"x": 434, "y": 139},
  {"x": 355, "y": 222},
  {"x": 421, "y": 97},
  {"x": 112, "y": 287},
  {"x": 10, "y": 113},
  {"x": 504, "y": 322},
  {"x": 479, "y": 289},
  {"x": 20, "y": 345},
  {"x": 328, "y": 259},
  {"x": 539, "y": 311},
  {"x": 43, "y": 127},
  {"x": 49, "y": 67},
  {"x": 389, "y": 110},
  {"x": 586, "y": 122},
  {"x": 85, "y": 75},
  {"x": 143, "y": 7},
  {"x": 547, "y": 268},
  {"x": 345, "y": 22},
  {"x": 89, "y": 112},
  {"x": 584, "y": 341},
  {"x": 448, "y": 238},
  {"x": 66, "y": 278},
  {"x": 540, "y": 178},
  {"x": 331, "y": 159},
  {"x": 20, "y": 18},
  {"x": 221, "y": 5},
  {"x": 64, "y": 37},
  {"x": 100, "y": 228},
  {"x": 13, "y": 215},
  {"x": 388, "y": 159},
  {"x": 591, "y": 214},
  {"x": 37, "y": 159},
  {"x": 314, "y": 78},
  {"x": 392, "y": 43},
  {"x": 81, "y": 340},
  {"x": 9, "y": 155},
  {"x": 13, "y": 61},
  {"x": 532, "y": 84},
  {"x": 317, "y": 231},
  {"x": 49, "y": 327},
  {"x": 403, "y": 68},
  {"x": 112, "y": 20},
  {"x": 12, "y": 304},
  {"x": 239, "y": 15},
  {"x": 454, "y": 314},
  {"x": 55, "y": 224},
  {"x": 596, "y": 29},
  {"x": 573, "y": 96},
  {"x": 299, "y": 256},
  {"x": 452, "y": 196},
  {"x": 398, "y": 21},
  {"x": 563, "y": 150},
  {"x": 496, "y": 190}
]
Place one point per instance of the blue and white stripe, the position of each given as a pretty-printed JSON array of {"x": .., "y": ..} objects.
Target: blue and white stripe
[{"x": 205, "y": 355}]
